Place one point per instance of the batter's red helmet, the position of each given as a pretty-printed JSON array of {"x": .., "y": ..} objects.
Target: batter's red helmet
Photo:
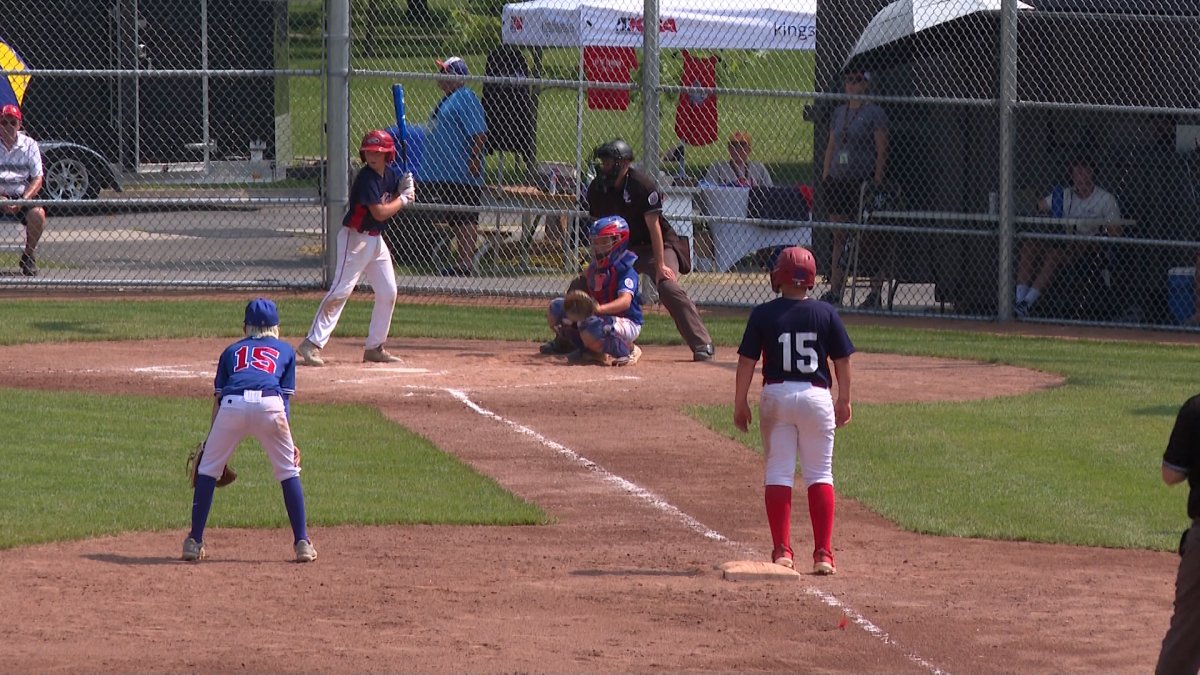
[
  {"x": 795, "y": 265},
  {"x": 378, "y": 140}
]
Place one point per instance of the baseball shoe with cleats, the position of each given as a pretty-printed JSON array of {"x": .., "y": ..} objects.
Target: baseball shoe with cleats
[
  {"x": 310, "y": 354},
  {"x": 583, "y": 357},
  {"x": 28, "y": 265},
  {"x": 782, "y": 556},
  {"x": 703, "y": 353},
  {"x": 556, "y": 346},
  {"x": 379, "y": 355},
  {"x": 823, "y": 562},
  {"x": 305, "y": 551},
  {"x": 634, "y": 355},
  {"x": 193, "y": 550}
]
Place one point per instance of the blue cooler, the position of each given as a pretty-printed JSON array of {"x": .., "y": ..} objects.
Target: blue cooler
[{"x": 1181, "y": 292}]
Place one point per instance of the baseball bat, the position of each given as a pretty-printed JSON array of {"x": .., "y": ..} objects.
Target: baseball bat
[{"x": 401, "y": 123}]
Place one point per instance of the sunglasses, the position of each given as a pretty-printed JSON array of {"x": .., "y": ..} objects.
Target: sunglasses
[
  {"x": 854, "y": 79},
  {"x": 739, "y": 144},
  {"x": 8, "y": 121}
]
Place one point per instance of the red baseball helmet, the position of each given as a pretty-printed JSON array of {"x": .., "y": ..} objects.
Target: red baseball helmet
[
  {"x": 378, "y": 140},
  {"x": 795, "y": 265}
]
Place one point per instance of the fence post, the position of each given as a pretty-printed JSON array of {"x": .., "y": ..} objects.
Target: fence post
[
  {"x": 1006, "y": 101},
  {"x": 651, "y": 73},
  {"x": 337, "y": 127}
]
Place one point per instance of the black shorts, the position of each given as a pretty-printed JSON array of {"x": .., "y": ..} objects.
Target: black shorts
[
  {"x": 18, "y": 217},
  {"x": 451, "y": 194},
  {"x": 842, "y": 196}
]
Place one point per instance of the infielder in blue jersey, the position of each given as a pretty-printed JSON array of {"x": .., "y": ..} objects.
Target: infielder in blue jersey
[
  {"x": 607, "y": 337},
  {"x": 256, "y": 377},
  {"x": 796, "y": 336}
]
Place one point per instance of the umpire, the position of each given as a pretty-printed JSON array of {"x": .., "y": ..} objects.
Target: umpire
[
  {"x": 1181, "y": 645},
  {"x": 621, "y": 190}
]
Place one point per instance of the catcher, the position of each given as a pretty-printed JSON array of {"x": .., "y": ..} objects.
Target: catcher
[
  {"x": 600, "y": 325},
  {"x": 255, "y": 380}
]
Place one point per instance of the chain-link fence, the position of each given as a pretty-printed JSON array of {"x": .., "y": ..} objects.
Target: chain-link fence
[{"x": 979, "y": 158}]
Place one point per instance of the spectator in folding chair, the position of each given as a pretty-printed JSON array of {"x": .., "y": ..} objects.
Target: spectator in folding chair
[
  {"x": 739, "y": 171},
  {"x": 1039, "y": 259},
  {"x": 856, "y": 152}
]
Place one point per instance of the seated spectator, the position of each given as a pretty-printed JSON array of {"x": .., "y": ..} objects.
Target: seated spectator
[
  {"x": 739, "y": 171},
  {"x": 1039, "y": 259}
]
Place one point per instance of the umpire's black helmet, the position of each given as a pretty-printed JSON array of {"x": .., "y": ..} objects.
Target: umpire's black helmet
[{"x": 616, "y": 149}]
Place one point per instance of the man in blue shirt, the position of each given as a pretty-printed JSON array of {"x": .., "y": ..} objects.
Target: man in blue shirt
[{"x": 452, "y": 159}]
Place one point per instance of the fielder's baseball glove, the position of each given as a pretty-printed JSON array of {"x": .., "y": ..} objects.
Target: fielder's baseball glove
[
  {"x": 578, "y": 305},
  {"x": 228, "y": 475}
]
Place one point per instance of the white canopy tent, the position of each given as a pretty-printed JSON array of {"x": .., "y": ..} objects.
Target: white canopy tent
[{"x": 683, "y": 24}]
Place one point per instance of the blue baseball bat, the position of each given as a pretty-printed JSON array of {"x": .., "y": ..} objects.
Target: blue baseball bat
[{"x": 401, "y": 123}]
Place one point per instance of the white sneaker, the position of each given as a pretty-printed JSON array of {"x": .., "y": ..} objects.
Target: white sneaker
[
  {"x": 310, "y": 354},
  {"x": 379, "y": 355},
  {"x": 193, "y": 550},
  {"x": 305, "y": 551},
  {"x": 634, "y": 355}
]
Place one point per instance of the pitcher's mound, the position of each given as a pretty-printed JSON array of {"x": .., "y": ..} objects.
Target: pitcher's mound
[{"x": 756, "y": 570}]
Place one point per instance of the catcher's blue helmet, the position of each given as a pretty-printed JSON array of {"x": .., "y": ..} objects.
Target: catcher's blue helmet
[{"x": 609, "y": 237}]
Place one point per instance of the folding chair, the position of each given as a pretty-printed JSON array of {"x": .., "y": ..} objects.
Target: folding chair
[{"x": 873, "y": 198}]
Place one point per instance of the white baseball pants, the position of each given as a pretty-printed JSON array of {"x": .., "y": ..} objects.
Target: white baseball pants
[
  {"x": 796, "y": 420},
  {"x": 263, "y": 418},
  {"x": 358, "y": 254}
]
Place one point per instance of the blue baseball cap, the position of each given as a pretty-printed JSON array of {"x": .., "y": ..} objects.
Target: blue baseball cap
[
  {"x": 261, "y": 312},
  {"x": 453, "y": 66}
]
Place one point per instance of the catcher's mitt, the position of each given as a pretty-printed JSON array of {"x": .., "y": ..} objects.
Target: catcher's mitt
[
  {"x": 228, "y": 475},
  {"x": 578, "y": 305}
]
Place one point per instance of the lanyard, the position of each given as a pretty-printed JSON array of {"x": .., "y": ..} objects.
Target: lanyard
[{"x": 846, "y": 123}]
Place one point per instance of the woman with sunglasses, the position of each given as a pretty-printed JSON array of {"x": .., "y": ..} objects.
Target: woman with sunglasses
[
  {"x": 856, "y": 152},
  {"x": 739, "y": 171}
]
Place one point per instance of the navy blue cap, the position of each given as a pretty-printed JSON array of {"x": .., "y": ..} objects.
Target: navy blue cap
[{"x": 261, "y": 312}]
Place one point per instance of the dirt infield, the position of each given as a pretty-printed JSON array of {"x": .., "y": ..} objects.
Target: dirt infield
[{"x": 624, "y": 578}]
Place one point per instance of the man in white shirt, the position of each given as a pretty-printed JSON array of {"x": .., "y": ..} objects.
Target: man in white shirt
[
  {"x": 1039, "y": 259},
  {"x": 21, "y": 178}
]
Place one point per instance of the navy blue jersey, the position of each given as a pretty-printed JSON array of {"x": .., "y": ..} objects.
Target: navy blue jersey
[
  {"x": 263, "y": 364},
  {"x": 796, "y": 338},
  {"x": 370, "y": 188},
  {"x": 1183, "y": 451},
  {"x": 606, "y": 283}
]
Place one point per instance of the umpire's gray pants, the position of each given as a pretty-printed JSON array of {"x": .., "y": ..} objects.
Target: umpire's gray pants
[{"x": 1181, "y": 645}]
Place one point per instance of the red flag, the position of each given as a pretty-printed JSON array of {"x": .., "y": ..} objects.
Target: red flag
[
  {"x": 608, "y": 64},
  {"x": 696, "y": 115}
]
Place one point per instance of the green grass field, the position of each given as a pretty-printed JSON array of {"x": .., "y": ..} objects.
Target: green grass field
[{"x": 1077, "y": 464}]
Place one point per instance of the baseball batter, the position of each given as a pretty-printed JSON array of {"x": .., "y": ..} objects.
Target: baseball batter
[
  {"x": 796, "y": 336},
  {"x": 256, "y": 377},
  {"x": 378, "y": 193},
  {"x": 608, "y": 335}
]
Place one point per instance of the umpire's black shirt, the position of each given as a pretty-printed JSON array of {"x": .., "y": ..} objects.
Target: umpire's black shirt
[
  {"x": 1183, "y": 451},
  {"x": 632, "y": 200}
]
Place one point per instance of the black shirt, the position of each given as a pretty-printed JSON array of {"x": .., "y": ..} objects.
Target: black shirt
[
  {"x": 638, "y": 196},
  {"x": 1183, "y": 451}
]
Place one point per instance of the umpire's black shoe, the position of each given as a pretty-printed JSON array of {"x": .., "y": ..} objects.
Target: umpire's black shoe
[
  {"x": 703, "y": 353},
  {"x": 28, "y": 265}
]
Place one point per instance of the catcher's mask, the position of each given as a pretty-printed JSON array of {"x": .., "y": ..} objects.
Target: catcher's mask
[
  {"x": 609, "y": 238},
  {"x": 616, "y": 150},
  {"x": 795, "y": 265},
  {"x": 378, "y": 140}
]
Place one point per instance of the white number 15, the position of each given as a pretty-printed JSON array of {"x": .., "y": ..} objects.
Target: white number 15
[{"x": 807, "y": 363}]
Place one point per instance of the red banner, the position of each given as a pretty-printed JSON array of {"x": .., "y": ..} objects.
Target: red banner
[
  {"x": 608, "y": 64},
  {"x": 696, "y": 115}
]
